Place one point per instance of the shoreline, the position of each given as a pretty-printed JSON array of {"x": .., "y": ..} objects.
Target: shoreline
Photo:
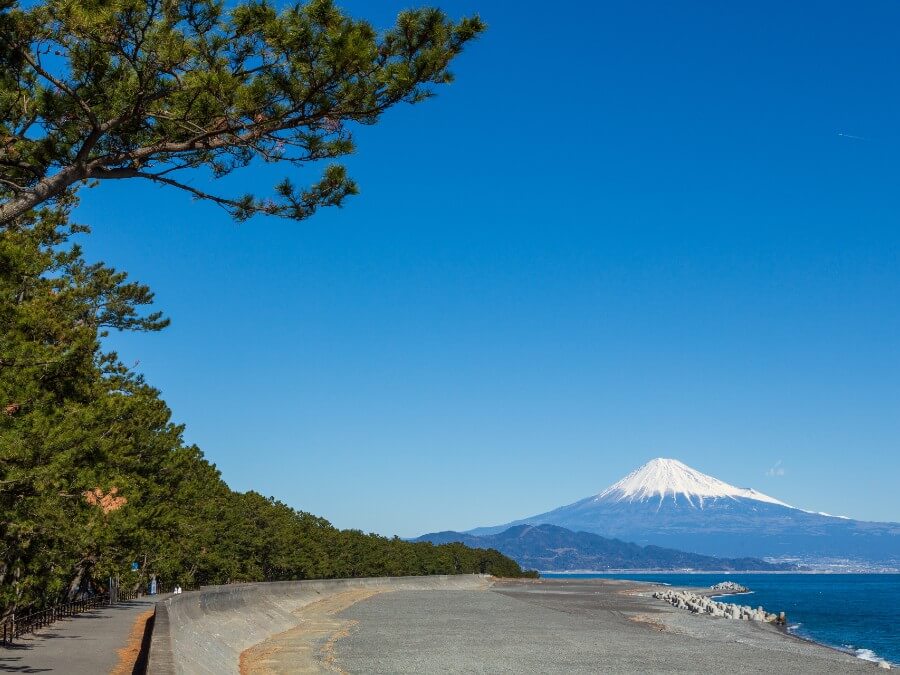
[
  {"x": 657, "y": 571},
  {"x": 877, "y": 660},
  {"x": 470, "y": 623},
  {"x": 851, "y": 645},
  {"x": 567, "y": 625},
  {"x": 785, "y": 629}
]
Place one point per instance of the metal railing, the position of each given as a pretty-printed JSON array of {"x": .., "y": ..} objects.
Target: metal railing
[
  {"x": 28, "y": 623},
  {"x": 124, "y": 596}
]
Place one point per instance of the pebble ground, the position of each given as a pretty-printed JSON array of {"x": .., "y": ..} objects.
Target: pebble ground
[{"x": 565, "y": 626}]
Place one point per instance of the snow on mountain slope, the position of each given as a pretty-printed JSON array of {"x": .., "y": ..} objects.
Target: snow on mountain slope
[
  {"x": 669, "y": 504},
  {"x": 668, "y": 478}
]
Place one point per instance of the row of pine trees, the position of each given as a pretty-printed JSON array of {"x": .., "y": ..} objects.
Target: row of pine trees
[{"x": 95, "y": 476}]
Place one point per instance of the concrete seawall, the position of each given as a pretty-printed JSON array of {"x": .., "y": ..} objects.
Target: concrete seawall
[{"x": 207, "y": 630}]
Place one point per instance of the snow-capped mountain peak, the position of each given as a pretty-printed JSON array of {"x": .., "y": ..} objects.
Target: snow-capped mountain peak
[
  {"x": 668, "y": 478},
  {"x": 668, "y": 504}
]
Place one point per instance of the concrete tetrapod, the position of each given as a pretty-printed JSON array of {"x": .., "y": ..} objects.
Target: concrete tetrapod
[
  {"x": 699, "y": 604},
  {"x": 205, "y": 631}
]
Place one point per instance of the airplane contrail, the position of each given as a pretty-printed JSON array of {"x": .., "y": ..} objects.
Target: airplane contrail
[{"x": 855, "y": 138}]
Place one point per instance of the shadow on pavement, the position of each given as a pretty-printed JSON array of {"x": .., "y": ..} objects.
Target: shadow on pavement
[{"x": 11, "y": 664}]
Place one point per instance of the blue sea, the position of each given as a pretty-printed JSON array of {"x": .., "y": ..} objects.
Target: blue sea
[{"x": 858, "y": 613}]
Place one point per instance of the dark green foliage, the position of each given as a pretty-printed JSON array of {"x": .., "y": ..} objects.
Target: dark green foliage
[
  {"x": 94, "y": 475},
  {"x": 154, "y": 89}
]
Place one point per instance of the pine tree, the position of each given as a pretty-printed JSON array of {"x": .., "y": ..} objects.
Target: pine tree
[
  {"x": 157, "y": 90},
  {"x": 95, "y": 476}
]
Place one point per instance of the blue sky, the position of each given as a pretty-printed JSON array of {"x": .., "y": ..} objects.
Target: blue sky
[{"x": 627, "y": 230}]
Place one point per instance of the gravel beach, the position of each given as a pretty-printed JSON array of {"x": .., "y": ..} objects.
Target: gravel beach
[{"x": 563, "y": 625}]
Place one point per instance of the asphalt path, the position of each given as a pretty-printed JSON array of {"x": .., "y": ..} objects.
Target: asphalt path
[{"x": 86, "y": 644}]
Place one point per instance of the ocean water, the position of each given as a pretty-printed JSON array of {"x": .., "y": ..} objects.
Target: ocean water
[{"x": 858, "y": 613}]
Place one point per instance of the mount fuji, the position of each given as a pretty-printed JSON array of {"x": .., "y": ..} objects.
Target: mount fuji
[{"x": 667, "y": 503}]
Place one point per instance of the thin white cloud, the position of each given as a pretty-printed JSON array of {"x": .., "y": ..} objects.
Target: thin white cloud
[{"x": 776, "y": 469}]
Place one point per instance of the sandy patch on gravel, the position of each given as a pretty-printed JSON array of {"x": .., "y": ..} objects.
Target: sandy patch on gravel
[
  {"x": 309, "y": 646},
  {"x": 650, "y": 622}
]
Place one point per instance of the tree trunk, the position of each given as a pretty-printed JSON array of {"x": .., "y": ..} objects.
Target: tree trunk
[
  {"x": 81, "y": 568},
  {"x": 48, "y": 188}
]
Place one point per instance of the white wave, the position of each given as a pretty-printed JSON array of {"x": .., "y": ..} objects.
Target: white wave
[{"x": 869, "y": 655}]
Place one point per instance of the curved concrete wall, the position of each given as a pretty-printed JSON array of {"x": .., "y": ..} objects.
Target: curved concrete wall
[{"x": 205, "y": 631}]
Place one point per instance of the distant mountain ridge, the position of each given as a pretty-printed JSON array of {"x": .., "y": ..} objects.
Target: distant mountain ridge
[
  {"x": 552, "y": 548},
  {"x": 666, "y": 503}
]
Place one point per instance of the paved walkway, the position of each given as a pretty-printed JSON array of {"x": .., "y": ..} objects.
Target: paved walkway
[{"x": 83, "y": 645}]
